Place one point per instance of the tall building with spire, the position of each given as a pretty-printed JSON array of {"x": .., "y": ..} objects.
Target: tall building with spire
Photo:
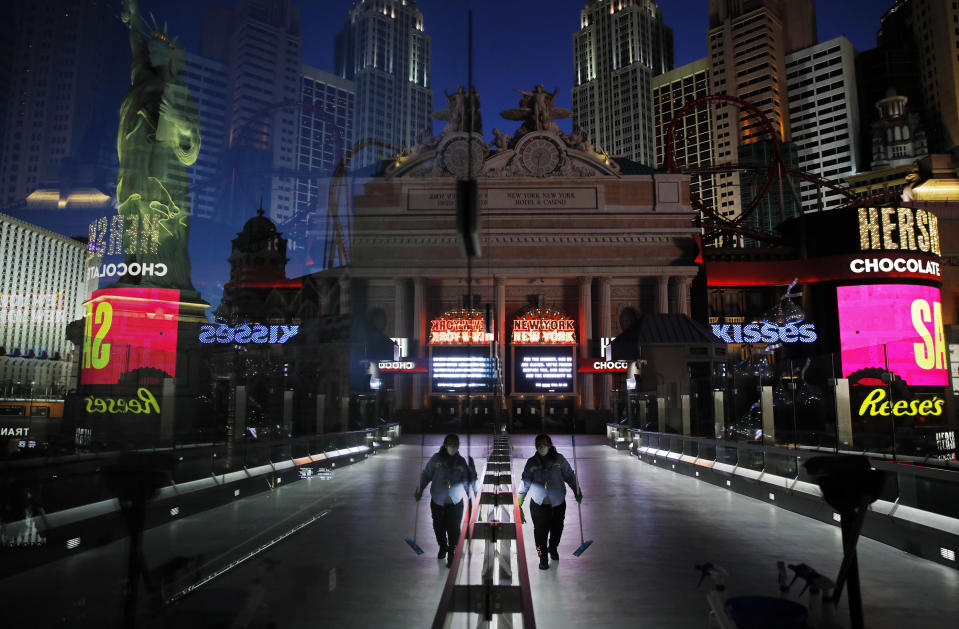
[
  {"x": 620, "y": 47},
  {"x": 384, "y": 49}
]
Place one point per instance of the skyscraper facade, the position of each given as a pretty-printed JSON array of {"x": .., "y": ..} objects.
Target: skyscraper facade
[
  {"x": 259, "y": 41},
  {"x": 747, "y": 43},
  {"x": 824, "y": 117},
  {"x": 325, "y": 135},
  {"x": 207, "y": 80},
  {"x": 67, "y": 73},
  {"x": 325, "y": 132},
  {"x": 620, "y": 47},
  {"x": 935, "y": 26},
  {"x": 693, "y": 135},
  {"x": 385, "y": 51}
]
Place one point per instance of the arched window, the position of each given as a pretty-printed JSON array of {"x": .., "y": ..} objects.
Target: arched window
[
  {"x": 905, "y": 132},
  {"x": 898, "y": 134}
]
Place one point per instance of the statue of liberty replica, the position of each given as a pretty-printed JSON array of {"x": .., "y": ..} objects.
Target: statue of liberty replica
[{"x": 158, "y": 138}]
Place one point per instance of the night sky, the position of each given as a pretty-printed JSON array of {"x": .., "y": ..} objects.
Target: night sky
[{"x": 519, "y": 43}]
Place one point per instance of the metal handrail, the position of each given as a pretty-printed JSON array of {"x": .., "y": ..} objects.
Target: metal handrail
[
  {"x": 488, "y": 599},
  {"x": 903, "y": 473}
]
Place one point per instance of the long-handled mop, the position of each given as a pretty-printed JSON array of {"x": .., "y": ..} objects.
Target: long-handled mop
[
  {"x": 412, "y": 541},
  {"x": 583, "y": 543}
]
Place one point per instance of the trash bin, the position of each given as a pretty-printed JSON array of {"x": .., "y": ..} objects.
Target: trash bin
[{"x": 766, "y": 612}]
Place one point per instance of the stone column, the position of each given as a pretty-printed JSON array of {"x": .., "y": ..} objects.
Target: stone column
[
  {"x": 400, "y": 327},
  {"x": 662, "y": 294},
  {"x": 605, "y": 329},
  {"x": 419, "y": 340},
  {"x": 682, "y": 295},
  {"x": 585, "y": 330}
]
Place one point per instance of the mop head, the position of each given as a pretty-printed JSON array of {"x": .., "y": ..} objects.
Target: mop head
[
  {"x": 582, "y": 548},
  {"x": 416, "y": 548}
]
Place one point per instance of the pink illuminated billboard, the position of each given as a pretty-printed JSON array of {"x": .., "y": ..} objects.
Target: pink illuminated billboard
[
  {"x": 127, "y": 329},
  {"x": 906, "y": 319}
]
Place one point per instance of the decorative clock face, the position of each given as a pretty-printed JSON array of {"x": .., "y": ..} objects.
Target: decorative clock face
[
  {"x": 540, "y": 156},
  {"x": 456, "y": 156}
]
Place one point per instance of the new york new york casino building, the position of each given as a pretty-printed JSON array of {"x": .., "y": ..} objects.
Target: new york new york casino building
[{"x": 573, "y": 251}]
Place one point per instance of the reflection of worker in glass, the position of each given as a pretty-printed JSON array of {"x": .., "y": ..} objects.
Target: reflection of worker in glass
[
  {"x": 543, "y": 476},
  {"x": 453, "y": 480}
]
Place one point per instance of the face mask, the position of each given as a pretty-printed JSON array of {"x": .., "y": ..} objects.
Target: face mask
[
  {"x": 452, "y": 450},
  {"x": 543, "y": 450}
]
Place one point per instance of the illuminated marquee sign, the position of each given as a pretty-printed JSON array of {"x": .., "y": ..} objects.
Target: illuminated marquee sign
[
  {"x": 144, "y": 403},
  {"x": 127, "y": 329},
  {"x": 946, "y": 440},
  {"x": 246, "y": 333},
  {"x": 601, "y": 365},
  {"x": 125, "y": 235},
  {"x": 460, "y": 327},
  {"x": 539, "y": 370},
  {"x": 544, "y": 326},
  {"x": 33, "y": 308},
  {"x": 898, "y": 229},
  {"x": 899, "y": 265},
  {"x": 765, "y": 333},
  {"x": 896, "y": 327},
  {"x": 401, "y": 366},
  {"x": 134, "y": 268},
  {"x": 876, "y": 404}
]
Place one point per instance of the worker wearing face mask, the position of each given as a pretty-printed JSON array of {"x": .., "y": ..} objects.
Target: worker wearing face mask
[
  {"x": 543, "y": 478},
  {"x": 453, "y": 480}
]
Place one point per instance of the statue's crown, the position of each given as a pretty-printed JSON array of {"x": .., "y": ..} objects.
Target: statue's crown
[{"x": 161, "y": 34}]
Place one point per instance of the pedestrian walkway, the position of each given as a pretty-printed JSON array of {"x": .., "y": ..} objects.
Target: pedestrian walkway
[{"x": 351, "y": 568}]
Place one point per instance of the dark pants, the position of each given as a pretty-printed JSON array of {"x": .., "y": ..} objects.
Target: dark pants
[
  {"x": 446, "y": 523},
  {"x": 547, "y": 525}
]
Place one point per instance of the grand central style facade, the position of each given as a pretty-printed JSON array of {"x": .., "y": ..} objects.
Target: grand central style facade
[{"x": 573, "y": 250}]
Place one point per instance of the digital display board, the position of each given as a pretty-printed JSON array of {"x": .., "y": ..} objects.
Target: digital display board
[
  {"x": 458, "y": 369},
  {"x": 906, "y": 319},
  {"x": 539, "y": 369},
  {"x": 127, "y": 329}
]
